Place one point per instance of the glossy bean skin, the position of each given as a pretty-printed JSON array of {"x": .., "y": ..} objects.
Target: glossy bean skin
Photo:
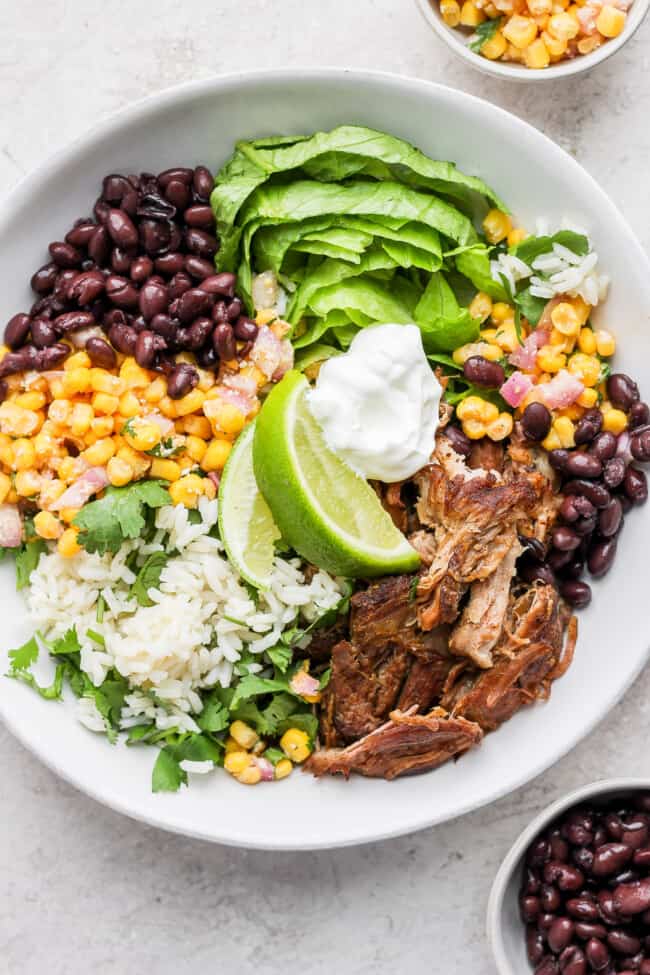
[
  {"x": 610, "y": 518},
  {"x": 222, "y": 284},
  {"x": 614, "y": 472},
  {"x": 601, "y": 557},
  {"x": 603, "y": 446},
  {"x": 596, "y": 954},
  {"x": 623, "y": 392},
  {"x": 560, "y": 934},
  {"x": 585, "y": 930},
  {"x": 65, "y": 255},
  {"x": 634, "y": 898},
  {"x": 101, "y": 353},
  {"x": 181, "y": 380},
  {"x": 610, "y": 858},
  {"x": 573, "y": 961},
  {"x": 153, "y": 299},
  {"x": 564, "y": 876},
  {"x": 576, "y": 593},
  {"x": 43, "y": 333},
  {"x": 565, "y": 539},
  {"x": 636, "y": 485},
  {"x": 583, "y": 464},
  {"x": 245, "y": 329},
  {"x": 459, "y": 441},
  {"x": 121, "y": 228},
  {"x": 42, "y": 281},
  {"x": 536, "y": 421},
  {"x": 72, "y": 320},
  {"x": 124, "y": 338},
  {"x": 198, "y": 267},
  {"x": 534, "y": 945},
  {"x": 224, "y": 341},
  {"x": 582, "y": 909},
  {"x": 588, "y": 427},
  {"x": 17, "y": 330},
  {"x": 193, "y": 304},
  {"x": 202, "y": 183},
  {"x": 639, "y": 415},
  {"x": 482, "y": 372},
  {"x": 596, "y": 493}
]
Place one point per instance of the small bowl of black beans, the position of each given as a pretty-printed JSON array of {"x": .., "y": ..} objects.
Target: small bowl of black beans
[{"x": 572, "y": 896}]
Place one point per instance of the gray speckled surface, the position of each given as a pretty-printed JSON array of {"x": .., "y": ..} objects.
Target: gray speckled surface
[{"x": 82, "y": 888}]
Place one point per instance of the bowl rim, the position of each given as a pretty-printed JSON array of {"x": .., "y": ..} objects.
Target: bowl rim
[
  {"x": 181, "y": 94},
  {"x": 519, "y": 73},
  {"x": 512, "y": 859}
]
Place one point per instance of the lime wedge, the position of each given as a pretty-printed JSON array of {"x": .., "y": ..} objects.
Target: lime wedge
[
  {"x": 325, "y": 511},
  {"x": 246, "y": 525}
]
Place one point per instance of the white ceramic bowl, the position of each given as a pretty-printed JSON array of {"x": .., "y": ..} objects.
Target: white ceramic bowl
[
  {"x": 199, "y": 123},
  {"x": 504, "y": 927},
  {"x": 456, "y": 40}
]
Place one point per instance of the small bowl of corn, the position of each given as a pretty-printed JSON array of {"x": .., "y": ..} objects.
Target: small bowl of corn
[{"x": 534, "y": 40}]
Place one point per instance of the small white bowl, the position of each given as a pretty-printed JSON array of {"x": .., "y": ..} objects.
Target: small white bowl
[
  {"x": 505, "y": 929},
  {"x": 456, "y": 40}
]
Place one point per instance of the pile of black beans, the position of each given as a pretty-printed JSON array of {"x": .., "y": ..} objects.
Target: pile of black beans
[
  {"x": 137, "y": 277},
  {"x": 600, "y": 483},
  {"x": 585, "y": 895}
]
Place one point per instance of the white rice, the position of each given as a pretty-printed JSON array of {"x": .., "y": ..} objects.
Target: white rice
[{"x": 201, "y": 622}]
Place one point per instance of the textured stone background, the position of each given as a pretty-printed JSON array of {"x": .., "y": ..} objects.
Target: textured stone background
[{"x": 83, "y": 889}]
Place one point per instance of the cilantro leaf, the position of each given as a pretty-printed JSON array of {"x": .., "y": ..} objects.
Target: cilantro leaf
[
  {"x": 168, "y": 447},
  {"x": 49, "y": 693},
  {"x": 324, "y": 679},
  {"x": 214, "y": 717},
  {"x": 281, "y": 707},
  {"x": 254, "y": 686},
  {"x": 27, "y": 559},
  {"x": 484, "y": 32},
  {"x": 530, "y": 306},
  {"x": 304, "y": 720},
  {"x": 280, "y": 656},
  {"x": 104, "y": 524},
  {"x": 148, "y": 578},
  {"x": 23, "y": 657},
  {"x": 274, "y": 755},
  {"x": 167, "y": 775},
  {"x": 413, "y": 588},
  {"x": 532, "y": 247},
  {"x": 197, "y": 748},
  {"x": 66, "y": 645}
]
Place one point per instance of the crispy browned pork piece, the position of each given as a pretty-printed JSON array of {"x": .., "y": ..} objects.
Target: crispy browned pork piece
[
  {"x": 529, "y": 656},
  {"x": 475, "y": 516},
  {"x": 405, "y": 744}
]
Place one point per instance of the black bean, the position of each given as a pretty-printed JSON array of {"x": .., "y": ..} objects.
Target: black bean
[
  {"x": 43, "y": 333},
  {"x": 634, "y": 898},
  {"x": 202, "y": 183},
  {"x": 220, "y": 284},
  {"x": 234, "y": 310},
  {"x": 548, "y": 966},
  {"x": 610, "y": 518},
  {"x": 601, "y": 556},
  {"x": 70, "y": 321},
  {"x": 549, "y": 898},
  {"x": 223, "y": 339},
  {"x": 145, "y": 349},
  {"x": 121, "y": 291},
  {"x": 122, "y": 259},
  {"x": 164, "y": 325},
  {"x": 245, "y": 329},
  {"x": 560, "y": 934},
  {"x": 624, "y": 877},
  {"x": 124, "y": 338},
  {"x": 170, "y": 263},
  {"x": 639, "y": 415},
  {"x": 610, "y": 858},
  {"x": 43, "y": 280},
  {"x": 180, "y": 173},
  {"x": 114, "y": 188},
  {"x": 179, "y": 284},
  {"x": 220, "y": 312},
  {"x": 534, "y": 945},
  {"x": 573, "y": 961},
  {"x": 533, "y": 546},
  {"x": 636, "y": 485},
  {"x": 156, "y": 237},
  {"x": 101, "y": 210},
  {"x": 141, "y": 269},
  {"x": 578, "y": 828},
  {"x": 544, "y": 921},
  {"x": 100, "y": 352},
  {"x": 199, "y": 215},
  {"x": 536, "y": 421},
  {"x": 566, "y": 877},
  {"x": 644, "y": 967},
  {"x": 614, "y": 472},
  {"x": 178, "y": 194},
  {"x": 99, "y": 246},
  {"x": 558, "y": 458},
  {"x": 535, "y": 571},
  {"x": 86, "y": 287},
  {"x": 199, "y": 268},
  {"x": 199, "y": 333},
  {"x": 589, "y": 426},
  {"x": 17, "y": 330},
  {"x": 153, "y": 299},
  {"x": 155, "y": 207},
  {"x": 582, "y": 909},
  {"x": 642, "y": 858},
  {"x": 583, "y": 464},
  {"x": 207, "y": 357},
  {"x": 65, "y": 255},
  {"x": 596, "y": 954},
  {"x": 193, "y": 304},
  {"x": 565, "y": 539},
  {"x": 587, "y": 929},
  {"x": 529, "y": 908},
  {"x": 559, "y": 846},
  {"x": 182, "y": 380},
  {"x": 622, "y": 391},
  {"x": 596, "y": 493},
  {"x": 607, "y": 908},
  {"x": 201, "y": 243},
  {"x": 122, "y": 229},
  {"x": 459, "y": 441},
  {"x": 80, "y": 234},
  {"x": 482, "y": 372},
  {"x": 574, "y": 569},
  {"x": 640, "y": 444},
  {"x": 576, "y": 593}
]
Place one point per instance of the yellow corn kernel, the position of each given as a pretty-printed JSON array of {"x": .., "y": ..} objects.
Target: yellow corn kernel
[
  {"x": 502, "y": 312},
  {"x": 102, "y": 381},
  {"x": 155, "y": 390},
  {"x": 206, "y": 379},
  {"x": 605, "y": 343},
  {"x": 250, "y": 776},
  {"x": 540, "y": 7},
  {"x": 119, "y": 472},
  {"x": 516, "y": 236},
  {"x": 551, "y": 441},
  {"x": 45, "y": 446},
  {"x": 497, "y": 225},
  {"x": 230, "y": 420},
  {"x": 474, "y": 429},
  {"x": 190, "y": 403},
  {"x": 536, "y": 55},
  {"x": 520, "y": 32},
  {"x": 32, "y": 400},
  {"x": 565, "y": 318},
  {"x": 564, "y": 26},
  {"x": 488, "y": 350},
  {"x": 17, "y": 422},
  {"x": 490, "y": 10},
  {"x": 101, "y": 426},
  {"x": 587, "y": 341},
  {"x": 471, "y": 408},
  {"x": 7, "y": 455},
  {"x": 134, "y": 376},
  {"x": 77, "y": 381},
  {"x": 470, "y": 15},
  {"x": 481, "y": 306},
  {"x": 68, "y": 468},
  {"x": 105, "y": 403},
  {"x": 450, "y": 12},
  {"x": 67, "y": 546},
  {"x": 610, "y": 21},
  {"x": 582, "y": 310},
  {"x": 78, "y": 360},
  {"x": 488, "y": 334},
  {"x": 574, "y": 412},
  {"x": 506, "y": 337},
  {"x": 565, "y": 429},
  {"x": 585, "y": 367},
  {"x": 231, "y": 746},
  {"x": 495, "y": 47},
  {"x": 167, "y": 407},
  {"x": 5, "y": 487},
  {"x": 100, "y": 453},
  {"x": 59, "y": 411},
  {"x": 243, "y": 734},
  {"x": 27, "y": 483},
  {"x": 139, "y": 464},
  {"x": 142, "y": 435},
  {"x": 51, "y": 491},
  {"x": 215, "y": 457},
  {"x": 209, "y": 488},
  {"x": 68, "y": 515},
  {"x": 252, "y": 372},
  {"x": 80, "y": 419},
  {"x": 236, "y": 762},
  {"x": 168, "y": 470},
  {"x": 57, "y": 389},
  {"x": 295, "y": 745},
  {"x": 47, "y": 526},
  {"x": 196, "y": 426},
  {"x": 559, "y": 342},
  {"x": 283, "y": 769},
  {"x": 500, "y": 428},
  {"x": 513, "y": 54},
  {"x": 614, "y": 421},
  {"x": 24, "y": 454},
  {"x": 587, "y": 398},
  {"x": 187, "y": 490},
  {"x": 196, "y": 448},
  {"x": 550, "y": 360},
  {"x": 129, "y": 405},
  {"x": 588, "y": 44},
  {"x": 556, "y": 46}
]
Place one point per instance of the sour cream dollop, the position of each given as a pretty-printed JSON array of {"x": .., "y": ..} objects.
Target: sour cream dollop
[{"x": 378, "y": 403}]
